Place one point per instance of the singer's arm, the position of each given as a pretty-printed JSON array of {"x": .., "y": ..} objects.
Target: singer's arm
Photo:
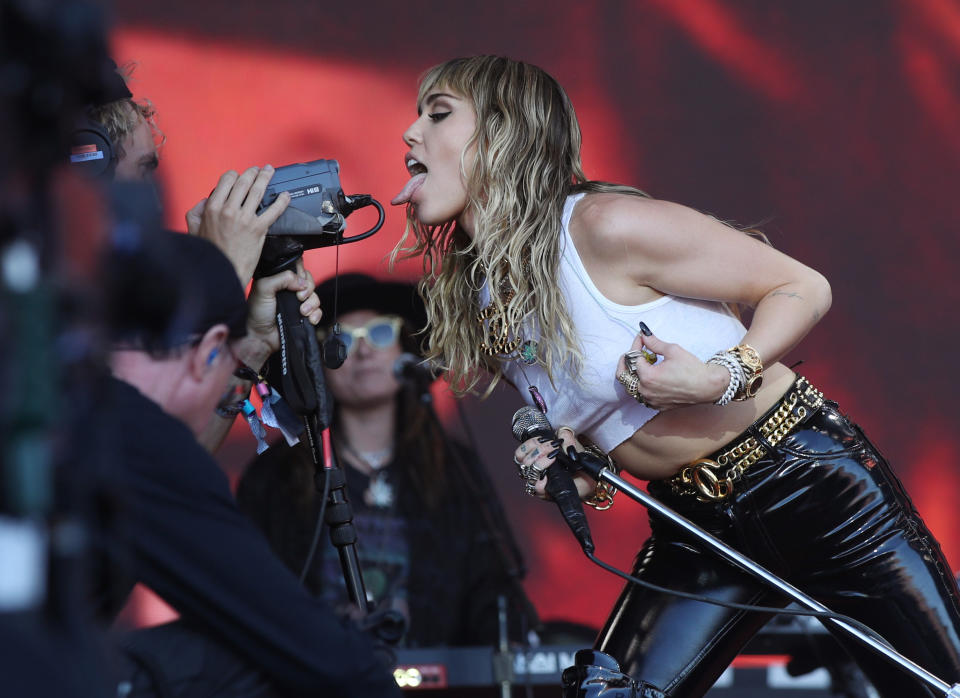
[
  {"x": 637, "y": 246},
  {"x": 262, "y": 337}
]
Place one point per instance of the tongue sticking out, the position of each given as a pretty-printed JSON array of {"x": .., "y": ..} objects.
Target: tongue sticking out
[{"x": 409, "y": 189}]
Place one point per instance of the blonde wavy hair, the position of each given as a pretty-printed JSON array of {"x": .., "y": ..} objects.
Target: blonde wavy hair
[{"x": 527, "y": 162}]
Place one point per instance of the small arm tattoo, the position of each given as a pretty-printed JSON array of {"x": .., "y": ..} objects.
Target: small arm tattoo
[
  {"x": 788, "y": 294},
  {"x": 791, "y": 294}
]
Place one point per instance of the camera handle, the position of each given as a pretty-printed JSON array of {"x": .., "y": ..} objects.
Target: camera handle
[{"x": 305, "y": 390}]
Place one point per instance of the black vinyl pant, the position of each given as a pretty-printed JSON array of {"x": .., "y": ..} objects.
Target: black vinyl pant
[{"x": 824, "y": 511}]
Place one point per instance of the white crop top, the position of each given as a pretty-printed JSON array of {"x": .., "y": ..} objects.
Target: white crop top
[{"x": 596, "y": 404}]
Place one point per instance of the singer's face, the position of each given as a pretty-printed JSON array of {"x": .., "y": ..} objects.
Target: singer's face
[
  {"x": 438, "y": 138},
  {"x": 366, "y": 378}
]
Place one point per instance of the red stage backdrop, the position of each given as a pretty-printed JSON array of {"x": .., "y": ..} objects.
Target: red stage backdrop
[{"x": 835, "y": 126}]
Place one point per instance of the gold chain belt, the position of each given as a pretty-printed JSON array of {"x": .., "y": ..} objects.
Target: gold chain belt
[{"x": 712, "y": 479}]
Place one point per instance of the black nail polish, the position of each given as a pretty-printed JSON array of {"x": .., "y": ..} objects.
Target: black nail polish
[
  {"x": 572, "y": 453},
  {"x": 556, "y": 442},
  {"x": 554, "y": 453},
  {"x": 542, "y": 439},
  {"x": 644, "y": 329}
]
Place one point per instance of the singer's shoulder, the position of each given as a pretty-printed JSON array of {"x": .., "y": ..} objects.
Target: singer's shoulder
[
  {"x": 610, "y": 219},
  {"x": 616, "y": 237},
  {"x": 654, "y": 242},
  {"x": 608, "y": 226}
]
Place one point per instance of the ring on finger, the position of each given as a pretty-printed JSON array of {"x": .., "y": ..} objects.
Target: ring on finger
[
  {"x": 633, "y": 390},
  {"x": 631, "y": 384},
  {"x": 630, "y": 381},
  {"x": 532, "y": 474}
]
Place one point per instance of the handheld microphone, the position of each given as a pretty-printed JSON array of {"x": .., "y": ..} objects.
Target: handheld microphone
[
  {"x": 410, "y": 368},
  {"x": 529, "y": 422}
]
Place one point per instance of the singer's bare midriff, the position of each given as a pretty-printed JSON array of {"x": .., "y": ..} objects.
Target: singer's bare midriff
[{"x": 676, "y": 437}]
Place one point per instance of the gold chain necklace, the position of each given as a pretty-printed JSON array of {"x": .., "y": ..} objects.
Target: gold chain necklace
[
  {"x": 499, "y": 343},
  {"x": 498, "y": 340}
]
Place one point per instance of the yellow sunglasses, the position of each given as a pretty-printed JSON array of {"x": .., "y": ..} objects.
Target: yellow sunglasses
[{"x": 380, "y": 332}]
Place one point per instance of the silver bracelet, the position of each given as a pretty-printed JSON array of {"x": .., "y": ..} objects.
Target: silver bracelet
[{"x": 737, "y": 376}]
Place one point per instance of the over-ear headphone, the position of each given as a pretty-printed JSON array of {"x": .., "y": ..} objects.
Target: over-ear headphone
[{"x": 91, "y": 150}]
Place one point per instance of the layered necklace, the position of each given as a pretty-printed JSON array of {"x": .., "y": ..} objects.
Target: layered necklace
[{"x": 501, "y": 340}]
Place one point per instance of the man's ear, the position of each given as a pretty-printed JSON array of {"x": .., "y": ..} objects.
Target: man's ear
[{"x": 206, "y": 353}]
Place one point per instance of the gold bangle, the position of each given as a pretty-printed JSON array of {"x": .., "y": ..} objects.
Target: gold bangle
[
  {"x": 602, "y": 498},
  {"x": 749, "y": 359}
]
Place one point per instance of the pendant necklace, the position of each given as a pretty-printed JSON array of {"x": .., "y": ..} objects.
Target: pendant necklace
[
  {"x": 500, "y": 343},
  {"x": 379, "y": 492}
]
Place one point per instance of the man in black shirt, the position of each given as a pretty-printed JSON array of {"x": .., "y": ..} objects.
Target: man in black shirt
[{"x": 181, "y": 533}]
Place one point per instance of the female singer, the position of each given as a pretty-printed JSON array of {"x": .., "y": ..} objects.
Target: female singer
[{"x": 614, "y": 309}]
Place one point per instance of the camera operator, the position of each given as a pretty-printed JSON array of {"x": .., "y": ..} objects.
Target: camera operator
[
  {"x": 242, "y": 613},
  {"x": 182, "y": 534},
  {"x": 132, "y": 130},
  {"x": 228, "y": 217}
]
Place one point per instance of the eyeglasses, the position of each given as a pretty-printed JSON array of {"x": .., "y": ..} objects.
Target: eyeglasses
[
  {"x": 380, "y": 332},
  {"x": 231, "y": 402}
]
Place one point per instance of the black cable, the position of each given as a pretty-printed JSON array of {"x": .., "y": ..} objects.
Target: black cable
[
  {"x": 820, "y": 615},
  {"x": 317, "y": 529}
]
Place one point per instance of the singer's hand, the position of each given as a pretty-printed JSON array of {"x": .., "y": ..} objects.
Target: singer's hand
[
  {"x": 678, "y": 380},
  {"x": 542, "y": 453}
]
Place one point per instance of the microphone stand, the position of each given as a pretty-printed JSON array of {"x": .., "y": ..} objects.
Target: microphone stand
[
  {"x": 304, "y": 388},
  {"x": 596, "y": 469}
]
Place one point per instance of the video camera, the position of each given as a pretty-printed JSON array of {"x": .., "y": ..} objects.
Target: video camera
[{"x": 316, "y": 216}]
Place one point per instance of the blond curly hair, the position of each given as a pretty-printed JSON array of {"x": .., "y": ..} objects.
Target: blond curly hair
[{"x": 527, "y": 162}]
